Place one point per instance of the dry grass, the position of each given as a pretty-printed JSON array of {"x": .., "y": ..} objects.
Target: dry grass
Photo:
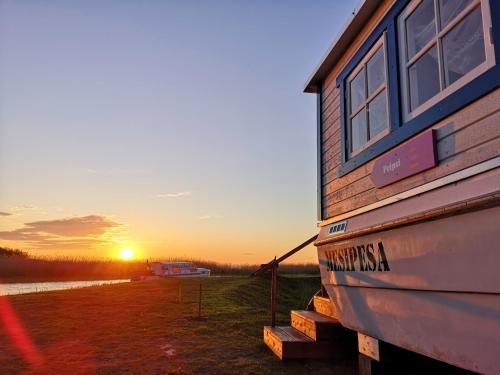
[
  {"x": 23, "y": 269},
  {"x": 247, "y": 269},
  {"x": 129, "y": 328}
]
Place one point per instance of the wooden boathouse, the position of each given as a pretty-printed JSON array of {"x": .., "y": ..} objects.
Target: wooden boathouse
[{"x": 408, "y": 103}]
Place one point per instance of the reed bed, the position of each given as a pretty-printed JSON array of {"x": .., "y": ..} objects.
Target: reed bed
[
  {"x": 18, "y": 266},
  {"x": 21, "y": 269}
]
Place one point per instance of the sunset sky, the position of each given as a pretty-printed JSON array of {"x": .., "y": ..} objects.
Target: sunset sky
[{"x": 176, "y": 128}]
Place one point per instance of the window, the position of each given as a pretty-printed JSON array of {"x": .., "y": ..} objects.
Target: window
[
  {"x": 425, "y": 60},
  {"x": 442, "y": 47},
  {"x": 367, "y": 100}
]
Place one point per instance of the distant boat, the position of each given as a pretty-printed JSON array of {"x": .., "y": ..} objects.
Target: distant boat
[{"x": 177, "y": 269}]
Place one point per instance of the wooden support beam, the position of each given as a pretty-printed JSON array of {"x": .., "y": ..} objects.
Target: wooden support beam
[{"x": 367, "y": 366}]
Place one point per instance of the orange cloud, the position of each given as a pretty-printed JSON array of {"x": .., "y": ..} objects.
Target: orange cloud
[
  {"x": 22, "y": 234},
  {"x": 92, "y": 225},
  {"x": 76, "y": 232}
]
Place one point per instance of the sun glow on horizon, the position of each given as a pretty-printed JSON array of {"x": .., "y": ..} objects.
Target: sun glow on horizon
[{"x": 127, "y": 253}]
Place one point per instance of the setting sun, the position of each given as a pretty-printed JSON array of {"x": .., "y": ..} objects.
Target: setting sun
[{"x": 126, "y": 253}]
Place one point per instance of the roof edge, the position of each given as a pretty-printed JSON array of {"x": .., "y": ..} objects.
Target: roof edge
[{"x": 354, "y": 24}]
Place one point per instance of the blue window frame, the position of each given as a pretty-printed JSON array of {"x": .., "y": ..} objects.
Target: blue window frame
[{"x": 402, "y": 126}]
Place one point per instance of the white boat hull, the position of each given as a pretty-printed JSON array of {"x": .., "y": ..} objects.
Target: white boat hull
[
  {"x": 177, "y": 269},
  {"x": 432, "y": 287}
]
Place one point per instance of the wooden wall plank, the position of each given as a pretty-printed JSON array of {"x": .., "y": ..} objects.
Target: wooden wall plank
[
  {"x": 332, "y": 131},
  {"x": 329, "y": 89},
  {"x": 463, "y": 160},
  {"x": 332, "y": 111},
  {"x": 330, "y": 97},
  {"x": 348, "y": 191},
  {"x": 333, "y": 141},
  {"x": 331, "y": 101},
  {"x": 332, "y": 155},
  {"x": 466, "y": 129}
]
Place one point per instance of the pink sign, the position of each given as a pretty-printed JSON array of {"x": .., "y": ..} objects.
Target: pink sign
[{"x": 413, "y": 157}]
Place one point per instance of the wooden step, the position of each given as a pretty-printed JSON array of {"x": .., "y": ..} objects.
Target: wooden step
[
  {"x": 316, "y": 326},
  {"x": 288, "y": 343},
  {"x": 325, "y": 306}
]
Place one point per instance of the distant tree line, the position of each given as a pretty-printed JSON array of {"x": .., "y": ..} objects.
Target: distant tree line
[{"x": 8, "y": 252}]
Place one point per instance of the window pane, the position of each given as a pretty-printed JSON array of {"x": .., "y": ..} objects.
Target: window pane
[
  {"x": 420, "y": 27},
  {"x": 449, "y": 9},
  {"x": 377, "y": 113},
  {"x": 463, "y": 47},
  {"x": 376, "y": 71},
  {"x": 358, "y": 130},
  {"x": 358, "y": 90},
  {"x": 424, "y": 78}
]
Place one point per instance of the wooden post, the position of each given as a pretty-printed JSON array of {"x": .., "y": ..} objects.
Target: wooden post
[
  {"x": 274, "y": 289},
  {"x": 366, "y": 365},
  {"x": 199, "y": 303}
]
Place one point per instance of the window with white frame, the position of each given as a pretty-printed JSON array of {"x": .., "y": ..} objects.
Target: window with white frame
[
  {"x": 443, "y": 45},
  {"x": 367, "y": 108}
]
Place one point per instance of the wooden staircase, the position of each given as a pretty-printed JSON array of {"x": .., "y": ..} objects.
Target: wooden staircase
[
  {"x": 325, "y": 306},
  {"x": 313, "y": 334}
]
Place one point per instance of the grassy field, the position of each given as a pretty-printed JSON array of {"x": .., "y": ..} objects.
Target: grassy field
[{"x": 142, "y": 328}]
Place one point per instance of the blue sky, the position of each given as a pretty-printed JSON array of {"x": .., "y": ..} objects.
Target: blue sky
[{"x": 182, "y": 123}]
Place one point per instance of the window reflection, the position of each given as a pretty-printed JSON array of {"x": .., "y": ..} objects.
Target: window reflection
[
  {"x": 437, "y": 51},
  {"x": 424, "y": 78},
  {"x": 358, "y": 130},
  {"x": 377, "y": 113},
  {"x": 420, "y": 27},
  {"x": 376, "y": 71},
  {"x": 449, "y": 9},
  {"x": 358, "y": 90},
  {"x": 463, "y": 47}
]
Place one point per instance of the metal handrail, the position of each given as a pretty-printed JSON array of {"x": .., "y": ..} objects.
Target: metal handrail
[
  {"x": 273, "y": 267},
  {"x": 267, "y": 266}
]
